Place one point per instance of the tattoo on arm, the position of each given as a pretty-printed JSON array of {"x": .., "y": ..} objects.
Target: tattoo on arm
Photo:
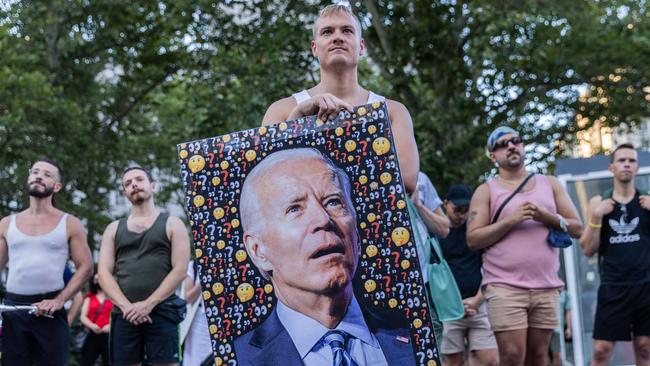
[{"x": 472, "y": 215}]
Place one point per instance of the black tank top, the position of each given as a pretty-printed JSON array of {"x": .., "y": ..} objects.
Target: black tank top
[
  {"x": 142, "y": 260},
  {"x": 625, "y": 244}
]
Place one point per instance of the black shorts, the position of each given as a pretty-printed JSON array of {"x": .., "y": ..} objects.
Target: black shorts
[
  {"x": 155, "y": 342},
  {"x": 29, "y": 339},
  {"x": 622, "y": 311}
]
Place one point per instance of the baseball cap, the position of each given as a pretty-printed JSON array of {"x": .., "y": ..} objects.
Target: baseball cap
[
  {"x": 459, "y": 194},
  {"x": 496, "y": 134}
]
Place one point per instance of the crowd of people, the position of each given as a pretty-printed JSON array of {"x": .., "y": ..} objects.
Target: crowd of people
[{"x": 501, "y": 242}]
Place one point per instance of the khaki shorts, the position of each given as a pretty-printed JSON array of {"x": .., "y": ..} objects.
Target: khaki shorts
[
  {"x": 514, "y": 308},
  {"x": 475, "y": 328}
]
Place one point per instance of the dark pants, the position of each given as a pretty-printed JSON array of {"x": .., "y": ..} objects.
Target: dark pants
[
  {"x": 96, "y": 345},
  {"x": 34, "y": 340}
]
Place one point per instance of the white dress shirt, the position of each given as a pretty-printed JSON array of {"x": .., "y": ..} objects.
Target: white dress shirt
[{"x": 307, "y": 335}]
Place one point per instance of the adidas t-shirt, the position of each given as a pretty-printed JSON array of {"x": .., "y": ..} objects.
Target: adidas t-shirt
[{"x": 625, "y": 244}]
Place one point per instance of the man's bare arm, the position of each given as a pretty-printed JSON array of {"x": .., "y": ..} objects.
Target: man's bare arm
[
  {"x": 83, "y": 261},
  {"x": 590, "y": 238},
  {"x": 180, "y": 256},
  {"x": 405, "y": 145},
  {"x": 436, "y": 221},
  {"x": 4, "y": 249},
  {"x": 106, "y": 266},
  {"x": 480, "y": 233},
  {"x": 566, "y": 209},
  {"x": 278, "y": 111}
]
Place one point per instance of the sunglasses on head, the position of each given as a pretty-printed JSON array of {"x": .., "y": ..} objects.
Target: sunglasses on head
[{"x": 516, "y": 140}]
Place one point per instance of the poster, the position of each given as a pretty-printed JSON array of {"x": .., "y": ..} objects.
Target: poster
[{"x": 239, "y": 299}]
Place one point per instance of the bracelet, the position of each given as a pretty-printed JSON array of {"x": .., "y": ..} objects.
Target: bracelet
[{"x": 595, "y": 226}]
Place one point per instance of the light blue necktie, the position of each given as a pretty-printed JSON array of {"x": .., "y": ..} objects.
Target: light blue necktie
[{"x": 336, "y": 340}]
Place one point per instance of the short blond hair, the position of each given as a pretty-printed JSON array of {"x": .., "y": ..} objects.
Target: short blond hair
[{"x": 334, "y": 9}]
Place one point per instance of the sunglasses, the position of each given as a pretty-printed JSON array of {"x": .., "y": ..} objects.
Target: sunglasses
[
  {"x": 461, "y": 209},
  {"x": 516, "y": 140}
]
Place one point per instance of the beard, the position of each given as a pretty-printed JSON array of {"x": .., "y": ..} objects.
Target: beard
[
  {"x": 138, "y": 197},
  {"x": 33, "y": 191}
]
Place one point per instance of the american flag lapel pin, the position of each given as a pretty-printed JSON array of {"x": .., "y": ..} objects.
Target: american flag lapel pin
[{"x": 402, "y": 339}]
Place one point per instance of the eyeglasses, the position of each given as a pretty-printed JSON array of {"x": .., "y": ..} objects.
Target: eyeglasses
[
  {"x": 46, "y": 173},
  {"x": 516, "y": 140}
]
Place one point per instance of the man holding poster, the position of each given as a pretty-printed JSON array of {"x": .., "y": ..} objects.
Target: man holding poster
[
  {"x": 300, "y": 230},
  {"x": 337, "y": 44}
]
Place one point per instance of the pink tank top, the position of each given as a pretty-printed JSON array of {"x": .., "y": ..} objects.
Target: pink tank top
[{"x": 522, "y": 258}]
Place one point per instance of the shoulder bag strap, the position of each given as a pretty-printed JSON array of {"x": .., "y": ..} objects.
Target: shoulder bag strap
[
  {"x": 99, "y": 310},
  {"x": 519, "y": 188}
]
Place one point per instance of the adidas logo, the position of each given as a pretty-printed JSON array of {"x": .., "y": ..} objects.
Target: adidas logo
[{"x": 624, "y": 229}]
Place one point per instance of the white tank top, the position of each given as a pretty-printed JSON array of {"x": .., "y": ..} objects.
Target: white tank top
[
  {"x": 36, "y": 263},
  {"x": 303, "y": 95}
]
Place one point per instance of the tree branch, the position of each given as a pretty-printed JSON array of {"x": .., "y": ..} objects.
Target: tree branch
[{"x": 379, "y": 28}]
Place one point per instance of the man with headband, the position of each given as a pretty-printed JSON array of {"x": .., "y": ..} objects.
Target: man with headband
[{"x": 520, "y": 269}]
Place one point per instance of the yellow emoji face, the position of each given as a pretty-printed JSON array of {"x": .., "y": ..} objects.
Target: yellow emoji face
[
  {"x": 372, "y": 129},
  {"x": 217, "y": 288},
  {"x": 250, "y": 155},
  {"x": 371, "y": 250},
  {"x": 218, "y": 213},
  {"x": 213, "y": 329},
  {"x": 350, "y": 158},
  {"x": 350, "y": 145},
  {"x": 234, "y": 223},
  {"x": 338, "y": 131},
  {"x": 319, "y": 122},
  {"x": 196, "y": 163},
  {"x": 405, "y": 264},
  {"x": 401, "y": 204},
  {"x": 218, "y": 361},
  {"x": 224, "y": 165},
  {"x": 283, "y": 126},
  {"x": 392, "y": 303},
  {"x": 226, "y": 138},
  {"x": 262, "y": 131},
  {"x": 400, "y": 236},
  {"x": 216, "y": 181},
  {"x": 240, "y": 255},
  {"x": 206, "y": 295},
  {"x": 370, "y": 285},
  {"x": 245, "y": 292},
  {"x": 268, "y": 288},
  {"x": 417, "y": 323},
  {"x": 376, "y": 105},
  {"x": 361, "y": 111},
  {"x": 183, "y": 154},
  {"x": 221, "y": 244},
  {"x": 371, "y": 217},
  {"x": 198, "y": 200},
  {"x": 199, "y": 253},
  {"x": 432, "y": 363},
  {"x": 381, "y": 145},
  {"x": 385, "y": 177},
  {"x": 363, "y": 179}
]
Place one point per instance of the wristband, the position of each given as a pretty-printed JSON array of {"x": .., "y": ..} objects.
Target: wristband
[{"x": 595, "y": 226}]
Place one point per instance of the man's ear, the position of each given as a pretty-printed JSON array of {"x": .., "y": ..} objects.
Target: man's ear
[
  {"x": 313, "y": 48},
  {"x": 57, "y": 186},
  {"x": 362, "y": 47},
  {"x": 610, "y": 167},
  {"x": 257, "y": 251},
  {"x": 154, "y": 186}
]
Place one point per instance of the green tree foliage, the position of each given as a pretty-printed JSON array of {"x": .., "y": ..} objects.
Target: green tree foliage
[{"x": 101, "y": 84}]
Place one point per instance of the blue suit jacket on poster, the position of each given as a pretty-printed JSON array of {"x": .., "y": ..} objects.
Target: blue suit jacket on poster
[{"x": 271, "y": 345}]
